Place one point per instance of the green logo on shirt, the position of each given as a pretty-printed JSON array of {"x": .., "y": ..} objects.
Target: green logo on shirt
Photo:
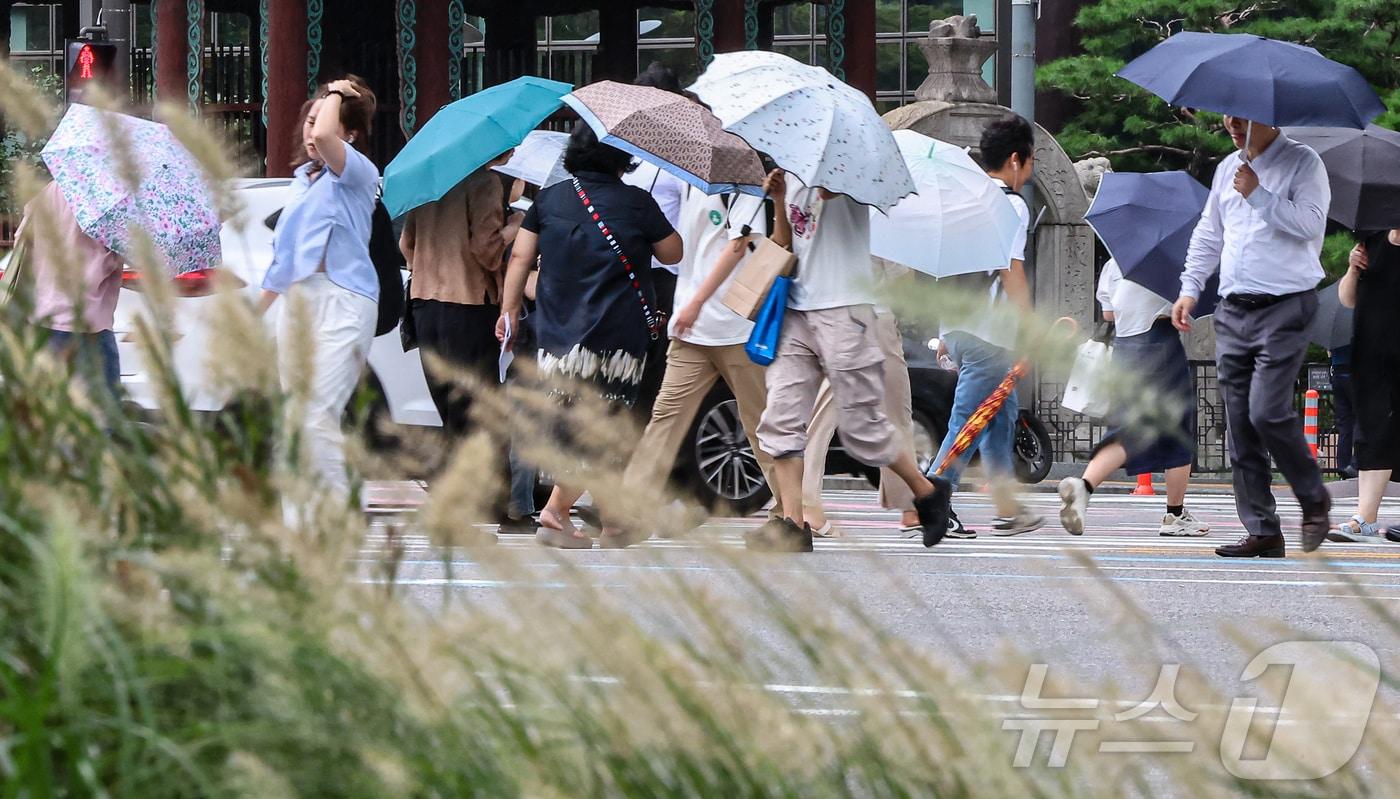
[{"x": 716, "y": 217}]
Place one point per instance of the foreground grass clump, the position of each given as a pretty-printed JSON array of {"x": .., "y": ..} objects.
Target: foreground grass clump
[{"x": 163, "y": 632}]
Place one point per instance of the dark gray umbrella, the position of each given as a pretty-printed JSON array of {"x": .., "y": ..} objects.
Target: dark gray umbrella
[
  {"x": 1363, "y": 167},
  {"x": 1331, "y": 328}
]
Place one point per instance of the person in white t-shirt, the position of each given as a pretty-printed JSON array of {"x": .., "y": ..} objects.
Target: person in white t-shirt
[
  {"x": 707, "y": 339},
  {"x": 667, "y": 190},
  {"x": 1145, "y": 339},
  {"x": 982, "y": 345},
  {"x": 829, "y": 331}
]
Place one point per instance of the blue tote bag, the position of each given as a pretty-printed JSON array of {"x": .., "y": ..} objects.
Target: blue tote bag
[{"x": 768, "y": 326}]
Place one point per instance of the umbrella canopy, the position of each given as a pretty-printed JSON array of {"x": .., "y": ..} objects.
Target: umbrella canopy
[
  {"x": 1363, "y": 167},
  {"x": 172, "y": 202},
  {"x": 812, "y": 124},
  {"x": 672, "y": 132},
  {"x": 1332, "y": 325},
  {"x": 539, "y": 159},
  {"x": 464, "y": 136},
  {"x": 1146, "y": 222},
  {"x": 959, "y": 221},
  {"x": 1247, "y": 76}
]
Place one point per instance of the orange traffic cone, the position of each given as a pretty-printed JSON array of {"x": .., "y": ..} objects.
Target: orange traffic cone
[{"x": 1144, "y": 486}]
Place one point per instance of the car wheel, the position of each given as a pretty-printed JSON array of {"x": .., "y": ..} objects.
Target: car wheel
[
  {"x": 928, "y": 437},
  {"x": 721, "y": 467},
  {"x": 1034, "y": 451}
]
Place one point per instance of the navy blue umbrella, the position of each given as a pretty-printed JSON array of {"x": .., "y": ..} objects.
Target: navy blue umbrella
[
  {"x": 1146, "y": 221},
  {"x": 1247, "y": 76}
]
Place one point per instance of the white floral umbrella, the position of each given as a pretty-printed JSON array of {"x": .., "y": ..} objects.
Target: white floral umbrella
[{"x": 813, "y": 125}]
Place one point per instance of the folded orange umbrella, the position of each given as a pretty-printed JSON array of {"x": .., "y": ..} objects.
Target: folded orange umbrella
[{"x": 987, "y": 410}]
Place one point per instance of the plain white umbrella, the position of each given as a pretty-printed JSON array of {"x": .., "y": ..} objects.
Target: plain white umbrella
[
  {"x": 820, "y": 129},
  {"x": 959, "y": 221},
  {"x": 539, "y": 160}
]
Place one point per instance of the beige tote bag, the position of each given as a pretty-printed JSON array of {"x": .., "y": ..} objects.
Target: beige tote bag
[{"x": 766, "y": 263}]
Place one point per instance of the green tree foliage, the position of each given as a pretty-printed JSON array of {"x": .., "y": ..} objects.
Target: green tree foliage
[
  {"x": 1139, "y": 132},
  {"x": 15, "y": 147}
]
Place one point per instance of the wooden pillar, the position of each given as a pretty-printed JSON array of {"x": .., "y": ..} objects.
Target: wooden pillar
[
  {"x": 172, "y": 51},
  {"x": 431, "y": 53},
  {"x": 729, "y": 26},
  {"x": 286, "y": 85},
  {"x": 617, "y": 49},
  {"x": 860, "y": 45}
]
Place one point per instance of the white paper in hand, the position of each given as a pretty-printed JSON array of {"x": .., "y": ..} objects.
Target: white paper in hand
[{"x": 507, "y": 355}]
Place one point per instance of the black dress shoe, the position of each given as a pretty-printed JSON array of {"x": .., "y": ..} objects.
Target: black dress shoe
[
  {"x": 1253, "y": 546},
  {"x": 1316, "y": 523},
  {"x": 933, "y": 510},
  {"x": 1393, "y": 533},
  {"x": 779, "y": 535},
  {"x": 517, "y": 525}
]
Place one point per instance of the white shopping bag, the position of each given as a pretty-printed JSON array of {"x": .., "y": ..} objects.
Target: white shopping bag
[{"x": 1087, "y": 390}]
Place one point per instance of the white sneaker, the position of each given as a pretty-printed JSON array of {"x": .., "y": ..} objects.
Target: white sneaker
[
  {"x": 828, "y": 530},
  {"x": 1023, "y": 522},
  {"x": 1183, "y": 525},
  {"x": 1074, "y": 503}
]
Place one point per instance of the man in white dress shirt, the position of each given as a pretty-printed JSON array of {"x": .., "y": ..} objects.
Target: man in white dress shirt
[{"x": 1262, "y": 227}]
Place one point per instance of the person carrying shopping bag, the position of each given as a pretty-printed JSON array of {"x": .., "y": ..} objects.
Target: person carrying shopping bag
[
  {"x": 1144, "y": 338},
  {"x": 829, "y": 331},
  {"x": 707, "y": 338}
]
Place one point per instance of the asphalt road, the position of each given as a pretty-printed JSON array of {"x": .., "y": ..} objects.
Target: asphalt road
[{"x": 1112, "y": 606}]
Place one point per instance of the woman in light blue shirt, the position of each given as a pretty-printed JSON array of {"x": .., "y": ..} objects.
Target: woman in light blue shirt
[{"x": 321, "y": 261}]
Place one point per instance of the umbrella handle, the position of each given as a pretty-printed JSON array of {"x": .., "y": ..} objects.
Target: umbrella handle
[
  {"x": 748, "y": 226},
  {"x": 1066, "y": 326}
]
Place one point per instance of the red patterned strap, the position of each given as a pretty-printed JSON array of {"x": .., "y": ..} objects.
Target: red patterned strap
[{"x": 653, "y": 319}]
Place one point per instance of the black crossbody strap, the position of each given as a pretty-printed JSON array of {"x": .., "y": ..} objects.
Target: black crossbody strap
[{"x": 653, "y": 320}]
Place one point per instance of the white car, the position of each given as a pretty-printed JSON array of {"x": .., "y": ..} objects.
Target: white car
[{"x": 398, "y": 375}]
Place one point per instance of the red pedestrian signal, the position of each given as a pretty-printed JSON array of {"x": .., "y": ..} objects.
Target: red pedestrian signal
[{"x": 87, "y": 62}]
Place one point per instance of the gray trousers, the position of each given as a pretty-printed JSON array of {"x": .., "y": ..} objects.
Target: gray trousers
[{"x": 1258, "y": 353}]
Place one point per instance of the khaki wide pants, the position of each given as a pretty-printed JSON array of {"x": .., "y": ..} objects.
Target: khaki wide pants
[
  {"x": 691, "y": 371},
  {"x": 894, "y": 492}
]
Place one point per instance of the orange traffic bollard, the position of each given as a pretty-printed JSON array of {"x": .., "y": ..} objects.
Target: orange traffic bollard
[
  {"x": 1144, "y": 486},
  {"x": 1310, "y": 401}
]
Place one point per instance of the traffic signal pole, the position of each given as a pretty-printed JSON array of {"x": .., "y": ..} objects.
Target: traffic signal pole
[{"x": 115, "y": 16}]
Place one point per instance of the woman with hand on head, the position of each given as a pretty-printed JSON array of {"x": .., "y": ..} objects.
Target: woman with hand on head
[{"x": 321, "y": 259}]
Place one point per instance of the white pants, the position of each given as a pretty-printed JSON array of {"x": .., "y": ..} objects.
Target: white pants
[{"x": 340, "y": 328}]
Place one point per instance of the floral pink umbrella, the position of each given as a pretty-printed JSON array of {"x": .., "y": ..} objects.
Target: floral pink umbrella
[{"x": 172, "y": 202}]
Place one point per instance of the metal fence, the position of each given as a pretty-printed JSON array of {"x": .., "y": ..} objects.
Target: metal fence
[{"x": 1075, "y": 435}]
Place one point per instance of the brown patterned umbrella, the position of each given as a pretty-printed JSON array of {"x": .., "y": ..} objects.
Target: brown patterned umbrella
[{"x": 671, "y": 131}]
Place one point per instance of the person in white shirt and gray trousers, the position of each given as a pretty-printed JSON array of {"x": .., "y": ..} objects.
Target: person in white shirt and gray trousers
[{"x": 1262, "y": 227}]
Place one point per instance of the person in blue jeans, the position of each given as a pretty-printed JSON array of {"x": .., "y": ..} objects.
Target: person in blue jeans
[{"x": 981, "y": 344}]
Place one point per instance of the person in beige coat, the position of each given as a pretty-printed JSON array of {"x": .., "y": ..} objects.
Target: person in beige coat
[{"x": 455, "y": 248}]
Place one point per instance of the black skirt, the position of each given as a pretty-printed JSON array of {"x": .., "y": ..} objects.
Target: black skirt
[{"x": 1156, "y": 443}]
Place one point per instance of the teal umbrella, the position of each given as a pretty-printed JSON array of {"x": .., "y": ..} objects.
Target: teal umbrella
[{"x": 464, "y": 136}]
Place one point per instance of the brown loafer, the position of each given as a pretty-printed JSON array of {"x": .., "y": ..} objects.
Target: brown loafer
[
  {"x": 1253, "y": 546},
  {"x": 1316, "y": 523}
]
